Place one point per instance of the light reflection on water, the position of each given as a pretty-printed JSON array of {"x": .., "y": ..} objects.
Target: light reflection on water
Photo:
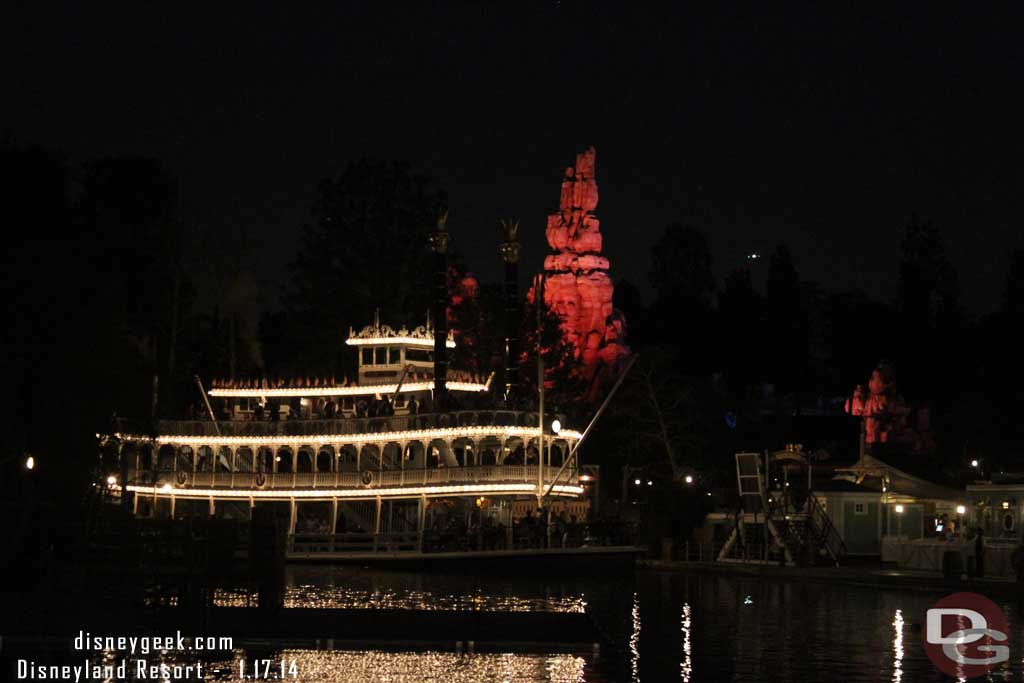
[
  {"x": 634, "y": 641},
  {"x": 342, "y": 597},
  {"x": 694, "y": 628},
  {"x": 897, "y": 647},
  {"x": 341, "y": 666},
  {"x": 475, "y": 600},
  {"x": 686, "y": 665}
]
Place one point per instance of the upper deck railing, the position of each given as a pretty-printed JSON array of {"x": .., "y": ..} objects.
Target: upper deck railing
[
  {"x": 341, "y": 426},
  {"x": 371, "y": 480}
]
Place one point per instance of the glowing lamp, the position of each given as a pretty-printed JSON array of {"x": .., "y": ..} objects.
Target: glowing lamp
[
  {"x": 166, "y": 487},
  {"x": 899, "y": 509},
  {"x": 556, "y": 426},
  {"x": 30, "y": 463},
  {"x": 650, "y": 483},
  {"x": 111, "y": 480},
  {"x": 636, "y": 481},
  {"x": 1006, "y": 505},
  {"x": 689, "y": 479},
  {"x": 974, "y": 463},
  {"x": 960, "y": 509}
]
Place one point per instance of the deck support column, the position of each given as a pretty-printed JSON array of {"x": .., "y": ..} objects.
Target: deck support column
[
  {"x": 291, "y": 517},
  {"x": 422, "y": 520},
  {"x": 213, "y": 509},
  {"x": 334, "y": 523},
  {"x": 376, "y": 526}
]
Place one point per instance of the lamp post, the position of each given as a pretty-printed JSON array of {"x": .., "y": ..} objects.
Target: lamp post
[{"x": 538, "y": 299}]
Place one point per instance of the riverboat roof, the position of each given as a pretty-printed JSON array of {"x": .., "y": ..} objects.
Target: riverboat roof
[
  {"x": 343, "y": 389},
  {"x": 383, "y": 335}
]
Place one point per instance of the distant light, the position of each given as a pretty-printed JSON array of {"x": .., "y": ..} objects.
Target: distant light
[
  {"x": 974, "y": 463},
  {"x": 960, "y": 509},
  {"x": 709, "y": 494},
  {"x": 689, "y": 479},
  {"x": 30, "y": 463},
  {"x": 1006, "y": 505},
  {"x": 586, "y": 477},
  {"x": 753, "y": 256},
  {"x": 166, "y": 487},
  {"x": 650, "y": 483},
  {"x": 111, "y": 480},
  {"x": 278, "y": 458},
  {"x": 748, "y": 600},
  {"x": 899, "y": 509},
  {"x": 636, "y": 481},
  {"x": 556, "y": 426}
]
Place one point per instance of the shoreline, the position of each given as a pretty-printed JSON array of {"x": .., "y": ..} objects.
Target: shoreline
[{"x": 867, "y": 576}]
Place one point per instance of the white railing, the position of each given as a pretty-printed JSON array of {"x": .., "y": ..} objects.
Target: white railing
[
  {"x": 340, "y": 425},
  {"x": 310, "y": 544},
  {"x": 368, "y": 479}
]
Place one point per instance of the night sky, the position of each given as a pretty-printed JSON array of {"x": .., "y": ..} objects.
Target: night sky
[{"x": 825, "y": 131}]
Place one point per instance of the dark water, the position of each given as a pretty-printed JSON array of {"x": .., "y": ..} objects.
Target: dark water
[{"x": 663, "y": 627}]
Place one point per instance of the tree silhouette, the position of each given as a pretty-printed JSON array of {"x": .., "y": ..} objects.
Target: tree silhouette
[
  {"x": 684, "y": 284},
  {"x": 928, "y": 287},
  {"x": 786, "y": 324},
  {"x": 564, "y": 389},
  {"x": 741, "y": 314},
  {"x": 365, "y": 248}
]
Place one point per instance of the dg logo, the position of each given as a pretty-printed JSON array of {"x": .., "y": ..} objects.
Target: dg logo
[{"x": 961, "y": 635}]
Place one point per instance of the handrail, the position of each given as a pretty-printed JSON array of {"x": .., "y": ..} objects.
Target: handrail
[
  {"x": 829, "y": 536},
  {"x": 343, "y": 425},
  {"x": 182, "y": 482}
]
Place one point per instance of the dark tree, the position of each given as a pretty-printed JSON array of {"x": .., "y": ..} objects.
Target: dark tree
[
  {"x": 1013, "y": 289},
  {"x": 563, "y": 386},
  {"x": 740, "y": 316},
  {"x": 931, "y": 325},
  {"x": 786, "y": 324},
  {"x": 365, "y": 248},
  {"x": 681, "y": 267},
  {"x": 629, "y": 301},
  {"x": 928, "y": 285},
  {"x": 129, "y": 208},
  {"x": 684, "y": 285},
  {"x": 476, "y": 319}
]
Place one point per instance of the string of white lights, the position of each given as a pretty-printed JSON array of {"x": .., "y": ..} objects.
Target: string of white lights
[
  {"x": 367, "y": 437},
  {"x": 341, "y": 391},
  {"x": 168, "y": 490},
  {"x": 408, "y": 341}
]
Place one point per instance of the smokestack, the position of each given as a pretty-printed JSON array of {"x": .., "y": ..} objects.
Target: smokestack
[
  {"x": 439, "y": 243},
  {"x": 510, "y": 254}
]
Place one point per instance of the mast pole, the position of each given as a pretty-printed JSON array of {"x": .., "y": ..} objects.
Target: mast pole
[
  {"x": 539, "y": 301},
  {"x": 439, "y": 244},
  {"x": 510, "y": 254}
]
